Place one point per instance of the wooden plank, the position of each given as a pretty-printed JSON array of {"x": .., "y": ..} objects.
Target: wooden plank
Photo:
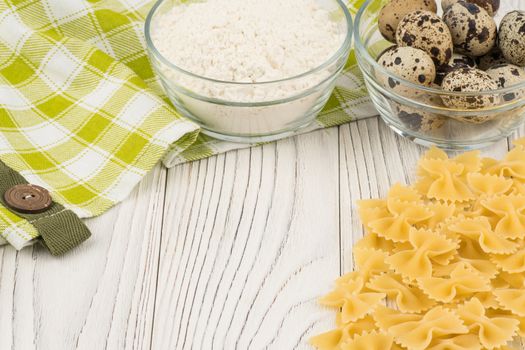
[
  {"x": 101, "y": 295},
  {"x": 250, "y": 241}
]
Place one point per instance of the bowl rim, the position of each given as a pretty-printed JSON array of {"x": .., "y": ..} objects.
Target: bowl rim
[
  {"x": 344, "y": 49},
  {"x": 363, "y": 52}
]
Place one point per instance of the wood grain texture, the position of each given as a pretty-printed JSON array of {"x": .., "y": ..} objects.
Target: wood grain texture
[
  {"x": 247, "y": 243},
  {"x": 99, "y": 296},
  {"x": 250, "y": 240}
]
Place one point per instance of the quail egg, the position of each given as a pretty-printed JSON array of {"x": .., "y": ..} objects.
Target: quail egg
[
  {"x": 474, "y": 31},
  {"x": 469, "y": 80},
  {"x": 493, "y": 58},
  {"x": 417, "y": 119},
  {"x": 390, "y": 48},
  {"x": 512, "y": 37},
  {"x": 491, "y": 6},
  {"x": 426, "y": 31},
  {"x": 457, "y": 61},
  {"x": 395, "y": 10},
  {"x": 410, "y": 64},
  {"x": 507, "y": 75}
]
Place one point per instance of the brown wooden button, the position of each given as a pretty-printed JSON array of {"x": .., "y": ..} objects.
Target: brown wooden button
[{"x": 28, "y": 199}]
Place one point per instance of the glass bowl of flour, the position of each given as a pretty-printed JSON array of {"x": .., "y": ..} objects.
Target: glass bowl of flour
[{"x": 249, "y": 70}]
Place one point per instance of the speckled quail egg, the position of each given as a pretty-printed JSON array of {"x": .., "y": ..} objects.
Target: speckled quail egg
[
  {"x": 507, "y": 75},
  {"x": 493, "y": 58},
  {"x": 410, "y": 64},
  {"x": 390, "y": 48},
  {"x": 417, "y": 119},
  {"x": 426, "y": 31},
  {"x": 469, "y": 80},
  {"x": 474, "y": 31},
  {"x": 457, "y": 61},
  {"x": 491, "y": 6},
  {"x": 512, "y": 37},
  {"x": 395, "y": 10}
]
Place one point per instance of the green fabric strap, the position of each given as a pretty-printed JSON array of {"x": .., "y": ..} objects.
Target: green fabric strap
[{"x": 61, "y": 230}]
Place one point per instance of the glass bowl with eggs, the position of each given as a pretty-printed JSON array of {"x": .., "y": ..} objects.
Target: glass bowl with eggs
[
  {"x": 446, "y": 73},
  {"x": 249, "y": 70}
]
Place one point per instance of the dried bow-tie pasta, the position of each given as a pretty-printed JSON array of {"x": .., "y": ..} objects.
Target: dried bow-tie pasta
[
  {"x": 370, "y": 210},
  {"x": 373, "y": 241},
  {"x": 461, "y": 282},
  {"x": 435, "y": 153},
  {"x": 485, "y": 268},
  {"x": 488, "y": 185},
  {"x": 470, "y": 160},
  {"x": 513, "y": 280},
  {"x": 355, "y": 303},
  {"x": 492, "y": 332},
  {"x": 458, "y": 342},
  {"x": 444, "y": 180},
  {"x": 396, "y": 226},
  {"x": 370, "y": 261},
  {"x": 511, "y": 263},
  {"x": 425, "y": 246},
  {"x": 510, "y": 218},
  {"x": 370, "y": 341},
  {"x": 408, "y": 298},
  {"x": 480, "y": 230},
  {"x": 403, "y": 193},
  {"x": 337, "y": 337},
  {"x": 441, "y": 212},
  {"x": 447, "y": 255},
  {"x": 512, "y": 166},
  {"x": 488, "y": 300},
  {"x": 512, "y": 300},
  {"x": 415, "y": 331}
]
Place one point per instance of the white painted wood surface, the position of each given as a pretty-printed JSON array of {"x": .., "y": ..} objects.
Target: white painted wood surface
[
  {"x": 248, "y": 248},
  {"x": 230, "y": 252}
]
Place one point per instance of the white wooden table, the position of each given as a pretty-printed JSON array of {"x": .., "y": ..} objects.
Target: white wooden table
[{"x": 230, "y": 252}]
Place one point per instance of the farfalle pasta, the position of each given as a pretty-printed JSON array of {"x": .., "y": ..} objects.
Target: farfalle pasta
[
  {"x": 492, "y": 331},
  {"x": 408, "y": 297},
  {"x": 444, "y": 180},
  {"x": 512, "y": 166},
  {"x": 442, "y": 263},
  {"x": 511, "y": 263},
  {"x": 344, "y": 334},
  {"x": 441, "y": 212},
  {"x": 512, "y": 299},
  {"x": 480, "y": 230},
  {"x": 396, "y": 226},
  {"x": 458, "y": 342},
  {"x": 370, "y": 261},
  {"x": 370, "y": 341},
  {"x": 416, "y": 331},
  {"x": 426, "y": 246},
  {"x": 486, "y": 185},
  {"x": 355, "y": 303},
  {"x": 462, "y": 282},
  {"x": 508, "y": 212}
]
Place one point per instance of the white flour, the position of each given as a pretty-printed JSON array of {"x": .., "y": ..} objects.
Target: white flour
[{"x": 248, "y": 41}]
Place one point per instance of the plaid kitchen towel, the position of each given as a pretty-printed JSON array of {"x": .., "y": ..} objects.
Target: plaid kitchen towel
[{"x": 82, "y": 113}]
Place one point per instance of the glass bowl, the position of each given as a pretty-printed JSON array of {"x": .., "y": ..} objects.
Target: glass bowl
[
  {"x": 418, "y": 112},
  {"x": 261, "y": 118}
]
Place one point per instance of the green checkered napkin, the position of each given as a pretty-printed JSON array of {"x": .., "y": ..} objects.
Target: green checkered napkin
[{"x": 83, "y": 114}]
